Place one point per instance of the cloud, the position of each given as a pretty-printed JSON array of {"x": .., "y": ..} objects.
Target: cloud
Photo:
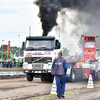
[
  {"x": 8, "y": 11},
  {"x": 15, "y": 18}
]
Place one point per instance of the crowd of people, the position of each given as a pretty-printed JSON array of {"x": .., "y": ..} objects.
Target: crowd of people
[
  {"x": 7, "y": 64},
  {"x": 11, "y": 63}
]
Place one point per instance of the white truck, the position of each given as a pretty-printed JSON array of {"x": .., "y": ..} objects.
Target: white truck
[{"x": 39, "y": 53}]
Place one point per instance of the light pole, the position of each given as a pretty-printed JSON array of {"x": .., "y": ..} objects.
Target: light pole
[
  {"x": 19, "y": 45},
  {"x": 2, "y": 49},
  {"x": 59, "y": 31},
  {"x": 29, "y": 30}
]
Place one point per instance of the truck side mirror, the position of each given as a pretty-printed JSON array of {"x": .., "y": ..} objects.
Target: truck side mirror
[
  {"x": 23, "y": 46},
  {"x": 57, "y": 44}
]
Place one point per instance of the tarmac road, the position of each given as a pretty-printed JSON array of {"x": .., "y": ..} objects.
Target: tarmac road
[{"x": 17, "y": 89}]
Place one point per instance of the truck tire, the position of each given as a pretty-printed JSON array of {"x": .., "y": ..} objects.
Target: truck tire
[
  {"x": 29, "y": 77},
  {"x": 43, "y": 79},
  {"x": 50, "y": 78},
  {"x": 96, "y": 78},
  {"x": 73, "y": 77}
]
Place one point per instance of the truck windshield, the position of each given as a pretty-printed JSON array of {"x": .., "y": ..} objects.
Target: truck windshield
[
  {"x": 40, "y": 44},
  {"x": 89, "y": 45}
]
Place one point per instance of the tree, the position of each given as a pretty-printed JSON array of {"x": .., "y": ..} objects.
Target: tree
[
  {"x": 13, "y": 51},
  {"x": 0, "y": 54}
]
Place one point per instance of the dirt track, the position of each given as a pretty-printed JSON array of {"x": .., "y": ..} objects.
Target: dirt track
[
  {"x": 11, "y": 69},
  {"x": 75, "y": 94},
  {"x": 21, "y": 88},
  {"x": 84, "y": 94}
]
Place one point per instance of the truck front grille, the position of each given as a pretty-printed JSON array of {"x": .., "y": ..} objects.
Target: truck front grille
[
  {"x": 37, "y": 66},
  {"x": 38, "y": 59}
]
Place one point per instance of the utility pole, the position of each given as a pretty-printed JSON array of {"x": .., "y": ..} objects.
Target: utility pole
[
  {"x": 29, "y": 30},
  {"x": 59, "y": 31},
  {"x": 2, "y": 49}
]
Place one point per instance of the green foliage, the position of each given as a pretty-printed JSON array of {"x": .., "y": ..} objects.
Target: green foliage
[
  {"x": 0, "y": 54},
  {"x": 13, "y": 51}
]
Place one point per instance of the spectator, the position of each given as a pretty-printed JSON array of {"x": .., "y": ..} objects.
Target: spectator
[
  {"x": 10, "y": 64},
  {"x": 14, "y": 61},
  {"x": 7, "y": 64}
]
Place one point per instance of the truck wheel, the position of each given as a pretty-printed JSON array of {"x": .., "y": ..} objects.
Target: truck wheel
[
  {"x": 43, "y": 79},
  {"x": 29, "y": 77},
  {"x": 50, "y": 78},
  {"x": 96, "y": 76},
  {"x": 73, "y": 77}
]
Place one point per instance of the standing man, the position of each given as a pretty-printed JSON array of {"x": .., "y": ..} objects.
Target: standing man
[{"x": 59, "y": 69}]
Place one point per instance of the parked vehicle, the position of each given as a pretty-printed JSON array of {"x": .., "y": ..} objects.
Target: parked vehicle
[{"x": 81, "y": 69}]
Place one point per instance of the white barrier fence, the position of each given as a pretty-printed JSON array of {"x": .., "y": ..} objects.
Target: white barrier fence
[{"x": 11, "y": 73}]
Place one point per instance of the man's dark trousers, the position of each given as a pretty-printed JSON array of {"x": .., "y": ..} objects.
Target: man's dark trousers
[{"x": 60, "y": 83}]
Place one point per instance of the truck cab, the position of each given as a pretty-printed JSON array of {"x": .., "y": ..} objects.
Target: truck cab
[
  {"x": 89, "y": 47},
  {"x": 39, "y": 53}
]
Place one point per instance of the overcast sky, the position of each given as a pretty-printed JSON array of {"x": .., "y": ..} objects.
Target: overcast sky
[
  {"x": 17, "y": 15},
  {"x": 15, "y": 18}
]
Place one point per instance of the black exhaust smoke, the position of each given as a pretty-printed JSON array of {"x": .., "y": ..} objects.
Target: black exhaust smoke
[
  {"x": 48, "y": 10},
  {"x": 48, "y": 13}
]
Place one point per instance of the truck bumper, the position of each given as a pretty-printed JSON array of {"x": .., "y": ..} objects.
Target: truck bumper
[{"x": 36, "y": 71}]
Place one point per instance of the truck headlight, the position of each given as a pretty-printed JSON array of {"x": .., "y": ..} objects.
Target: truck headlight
[
  {"x": 45, "y": 66},
  {"x": 25, "y": 64},
  {"x": 49, "y": 66}
]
